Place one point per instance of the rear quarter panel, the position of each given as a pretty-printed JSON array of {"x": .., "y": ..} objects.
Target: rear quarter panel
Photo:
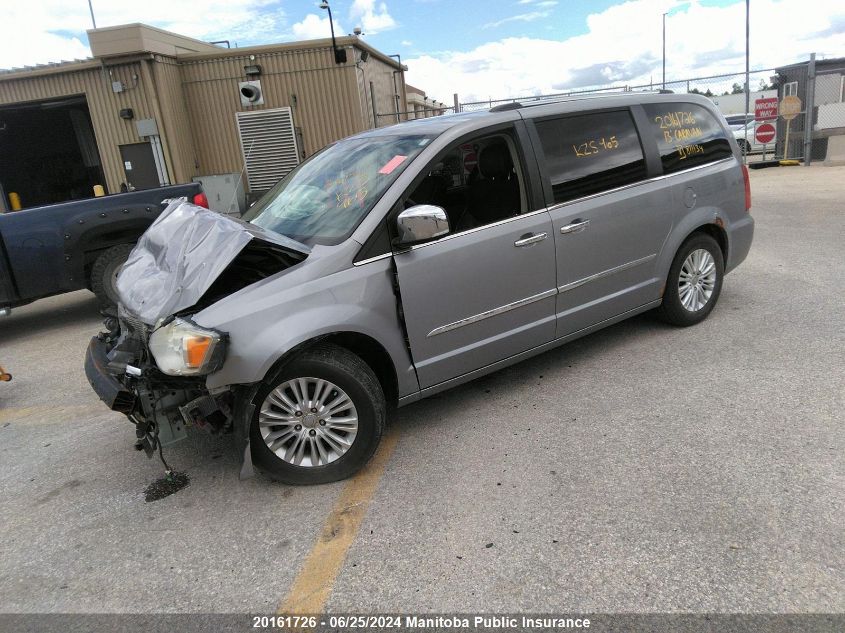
[{"x": 719, "y": 199}]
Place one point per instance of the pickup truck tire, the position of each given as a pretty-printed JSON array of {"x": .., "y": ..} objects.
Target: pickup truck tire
[
  {"x": 104, "y": 273},
  {"x": 326, "y": 405},
  {"x": 694, "y": 282}
]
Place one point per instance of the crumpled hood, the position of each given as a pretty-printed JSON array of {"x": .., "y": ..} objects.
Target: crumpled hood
[{"x": 181, "y": 255}]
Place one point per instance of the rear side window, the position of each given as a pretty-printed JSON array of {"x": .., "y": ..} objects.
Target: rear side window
[
  {"x": 591, "y": 153},
  {"x": 687, "y": 135}
]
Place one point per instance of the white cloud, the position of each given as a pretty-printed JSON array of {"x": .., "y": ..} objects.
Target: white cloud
[
  {"x": 624, "y": 46},
  {"x": 49, "y": 30},
  {"x": 522, "y": 17},
  {"x": 372, "y": 19},
  {"x": 314, "y": 27}
]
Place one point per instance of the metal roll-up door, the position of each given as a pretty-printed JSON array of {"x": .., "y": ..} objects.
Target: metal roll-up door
[{"x": 268, "y": 143}]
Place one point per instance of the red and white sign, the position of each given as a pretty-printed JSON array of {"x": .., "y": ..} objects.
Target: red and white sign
[
  {"x": 765, "y": 133},
  {"x": 766, "y": 109}
]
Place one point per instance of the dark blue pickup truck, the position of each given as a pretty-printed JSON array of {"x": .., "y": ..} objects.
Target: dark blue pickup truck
[{"x": 63, "y": 247}]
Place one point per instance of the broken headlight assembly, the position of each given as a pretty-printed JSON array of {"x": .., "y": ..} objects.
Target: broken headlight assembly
[{"x": 182, "y": 348}]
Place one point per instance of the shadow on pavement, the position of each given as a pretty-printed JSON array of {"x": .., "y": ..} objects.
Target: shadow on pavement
[{"x": 44, "y": 315}]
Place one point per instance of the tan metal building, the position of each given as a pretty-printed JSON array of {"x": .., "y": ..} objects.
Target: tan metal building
[{"x": 153, "y": 107}]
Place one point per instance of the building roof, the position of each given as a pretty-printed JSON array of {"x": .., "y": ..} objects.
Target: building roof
[
  {"x": 283, "y": 47},
  {"x": 131, "y": 40},
  {"x": 49, "y": 68},
  {"x": 833, "y": 61}
]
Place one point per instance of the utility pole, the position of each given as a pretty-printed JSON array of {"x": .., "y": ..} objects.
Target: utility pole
[
  {"x": 91, "y": 8},
  {"x": 747, "y": 66},
  {"x": 664, "y": 51}
]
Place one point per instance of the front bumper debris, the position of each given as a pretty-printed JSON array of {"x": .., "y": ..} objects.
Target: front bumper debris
[
  {"x": 122, "y": 372},
  {"x": 105, "y": 385}
]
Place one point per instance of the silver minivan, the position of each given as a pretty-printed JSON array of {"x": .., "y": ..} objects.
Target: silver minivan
[{"x": 408, "y": 259}]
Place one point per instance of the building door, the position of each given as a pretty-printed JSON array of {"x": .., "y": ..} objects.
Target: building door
[{"x": 139, "y": 165}]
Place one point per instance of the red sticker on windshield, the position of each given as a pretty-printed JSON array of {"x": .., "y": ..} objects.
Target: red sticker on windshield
[{"x": 392, "y": 164}]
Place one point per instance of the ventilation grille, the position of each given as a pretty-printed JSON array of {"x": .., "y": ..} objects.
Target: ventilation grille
[{"x": 268, "y": 143}]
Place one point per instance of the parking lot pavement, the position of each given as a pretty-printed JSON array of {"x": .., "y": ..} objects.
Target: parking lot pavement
[{"x": 643, "y": 468}]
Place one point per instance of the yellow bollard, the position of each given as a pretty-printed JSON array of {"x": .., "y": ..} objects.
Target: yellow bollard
[
  {"x": 15, "y": 201},
  {"x": 99, "y": 192}
]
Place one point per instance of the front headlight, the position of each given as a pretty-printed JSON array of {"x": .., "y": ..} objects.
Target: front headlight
[{"x": 182, "y": 348}]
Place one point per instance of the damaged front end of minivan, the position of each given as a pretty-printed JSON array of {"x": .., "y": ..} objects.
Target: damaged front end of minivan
[{"x": 152, "y": 361}]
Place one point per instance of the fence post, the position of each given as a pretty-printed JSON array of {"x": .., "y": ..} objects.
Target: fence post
[
  {"x": 808, "y": 110},
  {"x": 457, "y": 103}
]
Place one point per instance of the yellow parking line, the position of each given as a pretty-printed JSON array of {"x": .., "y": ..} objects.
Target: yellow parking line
[{"x": 316, "y": 577}]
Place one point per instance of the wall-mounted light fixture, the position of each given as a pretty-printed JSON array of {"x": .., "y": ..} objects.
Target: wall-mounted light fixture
[
  {"x": 339, "y": 53},
  {"x": 127, "y": 113},
  {"x": 253, "y": 70}
]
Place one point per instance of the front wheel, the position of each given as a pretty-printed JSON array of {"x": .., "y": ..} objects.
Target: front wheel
[
  {"x": 694, "y": 282},
  {"x": 319, "y": 419}
]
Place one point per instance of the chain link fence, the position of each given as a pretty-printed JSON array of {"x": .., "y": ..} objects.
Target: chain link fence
[{"x": 800, "y": 133}]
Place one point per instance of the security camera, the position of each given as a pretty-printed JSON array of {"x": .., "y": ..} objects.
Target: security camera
[{"x": 357, "y": 30}]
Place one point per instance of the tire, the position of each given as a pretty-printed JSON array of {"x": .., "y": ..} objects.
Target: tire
[
  {"x": 298, "y": 437},
  {"x": 682, "y": 304},
  {"x": 104, "y": 273}
]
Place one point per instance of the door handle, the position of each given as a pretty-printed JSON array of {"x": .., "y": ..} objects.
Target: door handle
[
  {"x": 575, "y": 227},
  {"x": 532, "y": 239}
]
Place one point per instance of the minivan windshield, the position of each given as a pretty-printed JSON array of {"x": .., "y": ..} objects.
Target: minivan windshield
[{"x": 324, "y": 198}]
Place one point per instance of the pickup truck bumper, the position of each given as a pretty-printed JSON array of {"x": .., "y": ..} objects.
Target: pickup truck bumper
[{"x": 105, "y": 384}]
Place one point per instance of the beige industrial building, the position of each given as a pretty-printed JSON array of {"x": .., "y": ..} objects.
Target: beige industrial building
[
  {"x": 152, "y": 108},
  {"x": 421, "y": 106}
]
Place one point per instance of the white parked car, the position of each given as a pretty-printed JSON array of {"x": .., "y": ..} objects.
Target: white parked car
[{"x": 748, "y": 145}]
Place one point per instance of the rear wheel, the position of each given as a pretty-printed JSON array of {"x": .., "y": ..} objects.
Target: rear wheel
[
  {"x": 694, "y": 282},
  {"x": 319, "y": 419},
  {"x": 105, "y": 270}
]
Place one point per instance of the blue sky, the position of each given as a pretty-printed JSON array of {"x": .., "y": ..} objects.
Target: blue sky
[{"x": 480, "y": 49}]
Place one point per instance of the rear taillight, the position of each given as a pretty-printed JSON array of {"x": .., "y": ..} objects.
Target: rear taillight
[
  {"x": 202, "y": 201},
  {"x": 747, "y": 187}
]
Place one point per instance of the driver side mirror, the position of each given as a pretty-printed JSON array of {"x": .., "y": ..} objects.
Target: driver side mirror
[{"x": 421, "y": 223}]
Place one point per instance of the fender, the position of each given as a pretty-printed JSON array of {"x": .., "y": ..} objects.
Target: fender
[{"x": 267, "y": 320}]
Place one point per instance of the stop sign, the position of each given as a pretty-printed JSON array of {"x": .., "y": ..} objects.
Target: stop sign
[{"x": 765, "y": 133}]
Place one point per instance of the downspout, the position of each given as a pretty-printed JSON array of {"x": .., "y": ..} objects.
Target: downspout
[
  {"x": 364, "y": 90},
  {"x": 169, "y": 165}
]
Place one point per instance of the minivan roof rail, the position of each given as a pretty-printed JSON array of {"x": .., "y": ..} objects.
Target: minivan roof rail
[{"x": 540, "y": 101}]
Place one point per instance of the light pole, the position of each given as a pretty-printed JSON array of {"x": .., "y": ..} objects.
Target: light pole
[
  {"x": 339, "y": 53},
  {"x": 664, "y": 51},
  {"x": 91, "y": 8}
]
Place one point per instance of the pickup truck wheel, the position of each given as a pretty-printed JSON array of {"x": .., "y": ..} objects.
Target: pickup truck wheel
[
  {"x": 105, "y": 270},
  {"x": 319, "y": 419},
  {"x": 694, "y": 282}
]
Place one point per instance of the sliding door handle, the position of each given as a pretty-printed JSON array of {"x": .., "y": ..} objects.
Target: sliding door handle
[
  {"x": 575, "y": 227},
  {"x": 531, "y": 239}
]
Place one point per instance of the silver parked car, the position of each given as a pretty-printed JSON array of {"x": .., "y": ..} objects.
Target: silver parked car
[{"x": 408, "y": 259}]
